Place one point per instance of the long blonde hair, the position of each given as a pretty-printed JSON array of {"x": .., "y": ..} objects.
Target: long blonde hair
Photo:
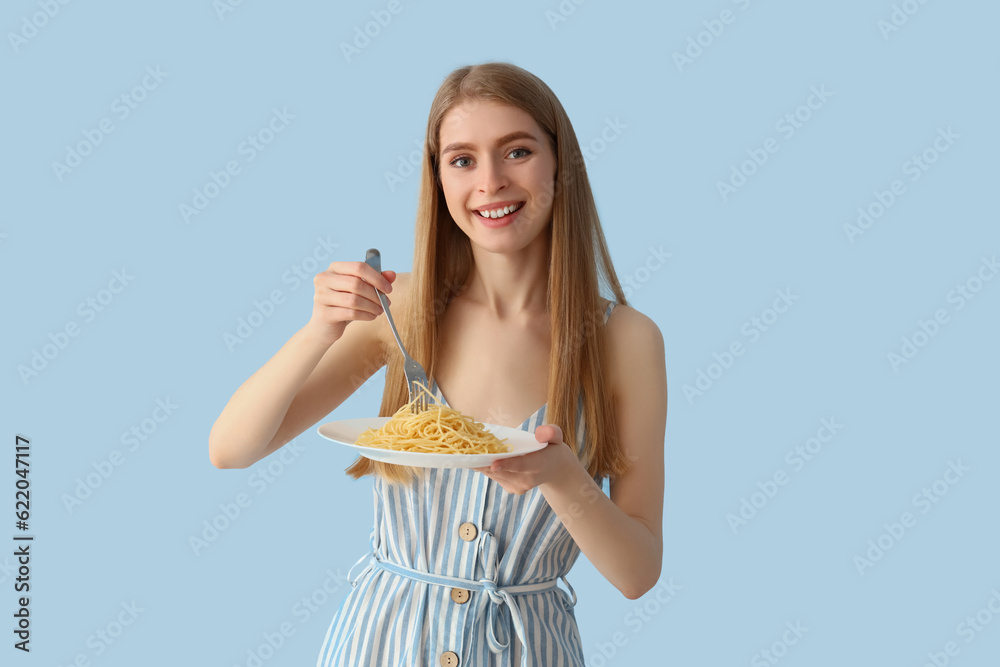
[{"x": 443, "y": 259}]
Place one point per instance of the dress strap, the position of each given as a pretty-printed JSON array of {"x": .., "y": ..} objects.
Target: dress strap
[{"x": 607, "y": 312}]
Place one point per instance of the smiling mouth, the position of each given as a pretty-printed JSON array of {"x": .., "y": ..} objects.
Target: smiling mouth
[{"x": 500, "y": 212}]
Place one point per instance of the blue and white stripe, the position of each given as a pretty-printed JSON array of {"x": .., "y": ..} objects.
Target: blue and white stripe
[{"x": 399, "y": 611}]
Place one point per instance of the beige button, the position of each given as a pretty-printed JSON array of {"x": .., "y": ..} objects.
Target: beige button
[
  {"x": 468, "y": 531},
  {"x": 449, "y": 659},
  {"x": 460, "y": 595}
]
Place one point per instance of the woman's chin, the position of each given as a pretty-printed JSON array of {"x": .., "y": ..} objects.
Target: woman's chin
[{"x": 505, "y": 246}]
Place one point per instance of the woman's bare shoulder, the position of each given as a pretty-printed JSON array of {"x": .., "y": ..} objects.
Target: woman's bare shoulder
[
  {"x": 627, "y": 323},
  {"x": 634, "y": 339}
]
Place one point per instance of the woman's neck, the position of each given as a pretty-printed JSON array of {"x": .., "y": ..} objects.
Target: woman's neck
[{"x": 510, "y": 285}]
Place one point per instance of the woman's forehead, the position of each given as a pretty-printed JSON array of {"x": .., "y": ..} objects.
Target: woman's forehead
[{"x": 474, "y": 120}]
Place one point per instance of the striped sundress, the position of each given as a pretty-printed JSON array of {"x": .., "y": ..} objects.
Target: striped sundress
[{"x": 461, "y": 573}]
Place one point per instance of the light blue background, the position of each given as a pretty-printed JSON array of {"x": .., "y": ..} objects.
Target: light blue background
[{"x": 162, "y": 337}]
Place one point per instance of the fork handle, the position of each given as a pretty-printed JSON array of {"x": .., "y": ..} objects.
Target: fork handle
[{"x": 374, "y": 259}]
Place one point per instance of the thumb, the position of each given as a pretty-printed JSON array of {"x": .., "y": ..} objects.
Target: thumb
[
  {"x": 389, "y": 275},
  {"x": 548, "y": 433}
]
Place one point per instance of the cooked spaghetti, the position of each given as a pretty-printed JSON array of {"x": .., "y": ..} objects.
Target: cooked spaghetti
[{"x": 439, "y": 429}]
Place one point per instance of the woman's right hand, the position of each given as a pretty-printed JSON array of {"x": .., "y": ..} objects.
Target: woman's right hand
[{"x": 344, "y": 293}]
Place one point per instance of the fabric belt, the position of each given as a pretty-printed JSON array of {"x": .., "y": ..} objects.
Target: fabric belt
[{"x": 497, "y": 624}]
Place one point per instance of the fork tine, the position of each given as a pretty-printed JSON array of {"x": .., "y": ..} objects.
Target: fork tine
[
  {"x": 417, "y": 383},
  {"x": 420, "y": 393}
]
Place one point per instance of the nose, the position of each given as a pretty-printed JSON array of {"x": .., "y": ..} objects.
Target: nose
[{"x": 492, "y": 177}]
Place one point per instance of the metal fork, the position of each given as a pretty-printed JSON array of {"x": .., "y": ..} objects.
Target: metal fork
[{"x": 415, "y": 374}]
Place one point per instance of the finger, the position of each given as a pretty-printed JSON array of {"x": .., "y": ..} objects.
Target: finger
[
  {"x": 357, "y": 285},
  {"x": 373, "y": 277},
  {"x": 350, "y": 292},
  {"x": 348, "y": 315},
  {"x": 513, "y": 464},
  {"x": 362, "y": 271},
  {"x": 349, "y": 306}
]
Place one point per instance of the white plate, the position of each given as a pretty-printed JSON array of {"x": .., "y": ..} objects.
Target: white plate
[{"x": 346, "y": 432}]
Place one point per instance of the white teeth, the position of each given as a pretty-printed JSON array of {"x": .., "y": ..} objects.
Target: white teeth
[{"x": 500, "y": 212}]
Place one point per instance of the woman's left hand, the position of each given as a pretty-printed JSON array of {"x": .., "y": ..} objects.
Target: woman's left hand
[{"x": 549, "y": 465}]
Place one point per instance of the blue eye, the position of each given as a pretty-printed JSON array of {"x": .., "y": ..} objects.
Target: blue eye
[{"x": 525, "y": 152}]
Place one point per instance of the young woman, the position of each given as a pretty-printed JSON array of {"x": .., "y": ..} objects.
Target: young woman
[{"x": 503, "y": 309}]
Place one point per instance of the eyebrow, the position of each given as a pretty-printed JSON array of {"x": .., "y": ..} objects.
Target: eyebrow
[{"x": 507, "y": 138}]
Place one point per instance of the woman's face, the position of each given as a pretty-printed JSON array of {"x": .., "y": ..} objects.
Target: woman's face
[{"x": 495, "y": 156}]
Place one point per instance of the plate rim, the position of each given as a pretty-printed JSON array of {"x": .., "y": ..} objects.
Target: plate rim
[{"x": 432, "y": 459}]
